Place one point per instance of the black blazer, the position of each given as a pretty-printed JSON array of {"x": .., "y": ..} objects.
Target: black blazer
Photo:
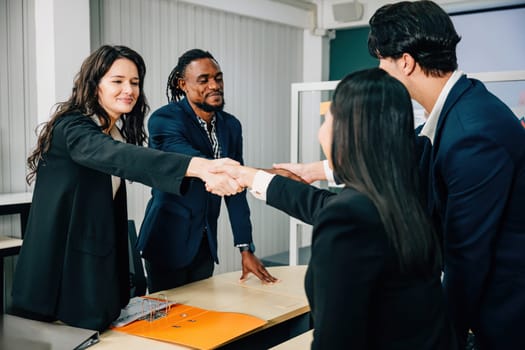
[
  {"x": 73, "y": 265},
  {"x": 358, "y": 296}
]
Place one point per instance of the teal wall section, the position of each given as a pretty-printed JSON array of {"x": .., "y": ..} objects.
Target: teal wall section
[{"x": 349, "y": 52}]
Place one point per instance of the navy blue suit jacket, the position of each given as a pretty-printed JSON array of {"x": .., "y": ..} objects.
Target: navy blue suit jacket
[
  {"x": 476, "y": 190},
  {"x": 173, "y": 225}
]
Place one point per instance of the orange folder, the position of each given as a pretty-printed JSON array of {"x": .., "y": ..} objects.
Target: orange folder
[{"x": 194, "y": 327}]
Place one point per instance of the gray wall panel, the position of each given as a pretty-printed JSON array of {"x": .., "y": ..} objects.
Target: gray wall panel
[
  {"x": 259, "y": 60},
  {"x": 17, "y": 109},
  {"x": 17, "y": 99}
]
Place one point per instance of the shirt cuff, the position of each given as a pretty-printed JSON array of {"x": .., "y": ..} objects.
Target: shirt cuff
[
  {"x": 261, "y": 180},
  {"x": 328, "y": 172}
]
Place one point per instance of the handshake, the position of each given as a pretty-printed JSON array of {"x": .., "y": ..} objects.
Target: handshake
[{"x": 225, "y": 176}]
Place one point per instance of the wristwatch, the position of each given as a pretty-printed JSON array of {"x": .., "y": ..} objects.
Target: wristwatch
[{"x": 246, "y": 246}]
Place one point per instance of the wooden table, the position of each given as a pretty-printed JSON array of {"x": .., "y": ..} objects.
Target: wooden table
[{"x": 283, "y": 305}]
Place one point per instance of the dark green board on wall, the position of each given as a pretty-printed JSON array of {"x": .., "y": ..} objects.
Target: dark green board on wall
[{"x": 349, "y": 52}]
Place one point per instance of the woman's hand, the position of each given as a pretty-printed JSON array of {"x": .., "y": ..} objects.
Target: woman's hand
[
  {"x": 220, "y": 184},
  {"x": 242, "y": 174}
]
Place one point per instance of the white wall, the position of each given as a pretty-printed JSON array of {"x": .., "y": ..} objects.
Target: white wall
[
  {"x": 62, "y": 43},
  {"x": 266, "y": 10}
]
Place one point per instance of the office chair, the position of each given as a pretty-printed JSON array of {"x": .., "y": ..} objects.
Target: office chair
[{"x": 137, "y": 278}]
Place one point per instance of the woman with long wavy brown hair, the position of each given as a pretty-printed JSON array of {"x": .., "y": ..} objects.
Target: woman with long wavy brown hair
[{"x": 73, "y": 265}]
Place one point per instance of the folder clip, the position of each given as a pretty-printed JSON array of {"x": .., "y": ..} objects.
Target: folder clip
[{"x": 151, "y": 309}]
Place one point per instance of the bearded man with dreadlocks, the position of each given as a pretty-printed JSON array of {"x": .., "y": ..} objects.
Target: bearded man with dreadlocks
[{"x": 178, "y": 237}]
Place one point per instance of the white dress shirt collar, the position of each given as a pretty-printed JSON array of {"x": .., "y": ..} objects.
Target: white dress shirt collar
[{"x": 429, "y": 129}]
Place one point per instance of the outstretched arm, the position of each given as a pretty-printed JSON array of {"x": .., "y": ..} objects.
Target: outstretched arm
[
  {"x": 309, "y": 172},
  {"x": 297, "y": 199}
]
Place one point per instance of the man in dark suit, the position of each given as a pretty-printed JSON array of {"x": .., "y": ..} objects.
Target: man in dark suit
[
  {"x": 472, "y": 158},
  {"x": 178, "y": 237}
]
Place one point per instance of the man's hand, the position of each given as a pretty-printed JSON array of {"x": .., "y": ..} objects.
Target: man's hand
[
  {"x": 250, "y": 263},
  {"x": 309, "y": 172}
]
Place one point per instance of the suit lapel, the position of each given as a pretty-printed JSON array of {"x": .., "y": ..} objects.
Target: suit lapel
[
  {"x": 430, "y": 150},
  {"x": 462, "y": 85}
]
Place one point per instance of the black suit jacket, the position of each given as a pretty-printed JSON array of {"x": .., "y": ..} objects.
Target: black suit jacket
[
  {"x": 358, "y": 296},
  {"x": 73, "y": 265}
]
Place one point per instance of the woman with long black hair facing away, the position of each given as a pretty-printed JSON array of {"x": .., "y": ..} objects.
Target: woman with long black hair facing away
[{"x": 373, "y": 281}]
